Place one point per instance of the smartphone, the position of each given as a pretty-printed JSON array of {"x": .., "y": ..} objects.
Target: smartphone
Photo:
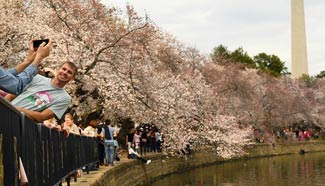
[{"x": 37, "y": 43}]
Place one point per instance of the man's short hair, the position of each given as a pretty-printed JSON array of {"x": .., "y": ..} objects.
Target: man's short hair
[{"x": 72, "y": 65}]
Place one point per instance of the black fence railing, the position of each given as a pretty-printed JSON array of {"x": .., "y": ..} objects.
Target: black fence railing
[{"x": 46, "y": 155}]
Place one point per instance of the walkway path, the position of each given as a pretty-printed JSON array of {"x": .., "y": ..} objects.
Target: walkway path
[{"x": 93, "y": 176}]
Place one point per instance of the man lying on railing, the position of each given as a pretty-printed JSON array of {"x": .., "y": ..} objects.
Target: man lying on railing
[
  {"x": 14, "y": 80},
  {"x": 45, "y": 98}
]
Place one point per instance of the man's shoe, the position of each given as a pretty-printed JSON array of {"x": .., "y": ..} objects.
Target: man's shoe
[{"x": 149, "y": 161}]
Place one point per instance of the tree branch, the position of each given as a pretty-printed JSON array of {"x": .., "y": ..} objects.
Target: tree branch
[{"x": 96, "y": 60}]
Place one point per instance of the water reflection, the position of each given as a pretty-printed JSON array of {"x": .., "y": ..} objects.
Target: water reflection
[{"x": 291, "y": 170}]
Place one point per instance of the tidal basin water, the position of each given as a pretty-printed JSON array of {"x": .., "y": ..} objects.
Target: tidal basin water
[{"x": 289, "y": 170}]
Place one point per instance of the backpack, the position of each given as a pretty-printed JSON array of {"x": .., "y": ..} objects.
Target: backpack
[{"x": 107, "y": 133}]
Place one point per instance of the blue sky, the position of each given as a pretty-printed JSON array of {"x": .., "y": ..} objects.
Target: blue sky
[{"x": 256, "y": 25}]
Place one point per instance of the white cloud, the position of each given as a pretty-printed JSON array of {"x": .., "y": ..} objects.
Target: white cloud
[{"x": 256, "y": 25}]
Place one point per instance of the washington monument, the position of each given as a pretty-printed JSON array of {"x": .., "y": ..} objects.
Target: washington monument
[{"x": 298, "y": 39}]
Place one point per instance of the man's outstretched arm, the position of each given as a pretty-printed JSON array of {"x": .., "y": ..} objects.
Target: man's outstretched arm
[
  {"x": 14, "y": 80},
  {"x": 37, "y": 116}
]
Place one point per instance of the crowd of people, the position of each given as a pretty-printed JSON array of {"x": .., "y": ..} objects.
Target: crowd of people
[
  {"x": 144, "y": 138},
  {"x": 105, "y": 134},
  {"x": 139, "y": 141},
  {"x": 288, "y": 134}
]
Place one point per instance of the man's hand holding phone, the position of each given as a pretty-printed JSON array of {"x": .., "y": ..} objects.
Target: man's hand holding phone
[
  {"x": 37, "y": 43},
  {"x": 43, "y": 49},
  {"x": 31, "y": 53}
]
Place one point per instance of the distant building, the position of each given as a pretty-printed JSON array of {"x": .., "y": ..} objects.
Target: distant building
[{"x": 299, "y": 62}]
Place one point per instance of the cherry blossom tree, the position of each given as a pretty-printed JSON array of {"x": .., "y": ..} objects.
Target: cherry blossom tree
[{"x": 129, "y": 68}]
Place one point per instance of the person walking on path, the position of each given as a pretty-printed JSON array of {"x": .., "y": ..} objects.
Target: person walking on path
[{"x": 108, "y": 132}]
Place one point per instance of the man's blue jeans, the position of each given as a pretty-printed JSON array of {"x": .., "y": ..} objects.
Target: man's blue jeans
[
  {"x": 109, "y": 152},
  {"x": 14, "y": 83}
]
